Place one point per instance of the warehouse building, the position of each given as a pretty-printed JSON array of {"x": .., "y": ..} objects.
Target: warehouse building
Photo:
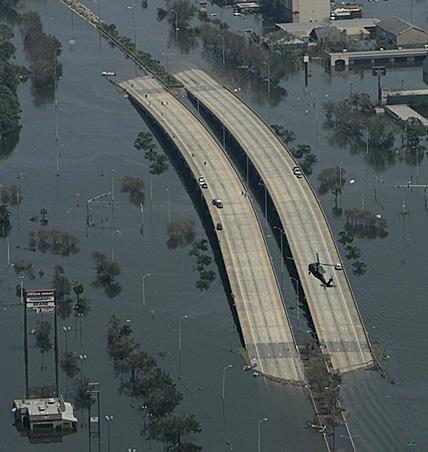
[{"x": 397, "y": 32}]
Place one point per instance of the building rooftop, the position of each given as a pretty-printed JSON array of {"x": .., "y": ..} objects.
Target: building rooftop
[
  {"x": 305, "y": 28},
  {"x": 404, "y": 112},
  {"x": 396, "y": 26},
  {"x": 48, "y": 409}
]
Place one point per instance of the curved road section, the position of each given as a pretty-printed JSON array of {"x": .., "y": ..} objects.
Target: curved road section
[
  {"x": 334, "y": 310},
  {"x": 262, "y": 316}
]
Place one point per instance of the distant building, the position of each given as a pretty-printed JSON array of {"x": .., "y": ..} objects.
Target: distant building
[
  {"x": 308, "y": 10},
  {"x": 352, "y": 27},
  {"x": 247, "y": 7},
  {"x": 400, "y": 33}
]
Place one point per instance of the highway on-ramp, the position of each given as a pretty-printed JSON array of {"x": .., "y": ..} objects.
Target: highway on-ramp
[
  {"x": 334, "y": 310},
  {"x": 264, "y": 323}
]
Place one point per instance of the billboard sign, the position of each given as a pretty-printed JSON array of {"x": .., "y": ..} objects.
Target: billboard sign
[{"x": 40, "y": 301}]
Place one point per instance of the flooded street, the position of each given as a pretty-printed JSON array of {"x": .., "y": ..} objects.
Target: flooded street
[{"x": 97, "y": 128}]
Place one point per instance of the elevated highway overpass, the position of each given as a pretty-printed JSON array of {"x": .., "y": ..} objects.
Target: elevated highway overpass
[
  {"x": 263, "y": 319},
  {"x": 334, "y": 311}
]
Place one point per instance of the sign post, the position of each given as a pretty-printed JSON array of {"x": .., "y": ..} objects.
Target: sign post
[{"x": 41, "y": 302}]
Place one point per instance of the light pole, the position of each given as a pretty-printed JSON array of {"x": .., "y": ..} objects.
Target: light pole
[
  {"x": 268, "y": 78},
  {"x": 82, "y": 358},
  {"x": 21, "y": 282},
  {"x": 176, "y": 22},
  {"x": 25, "y": 335},
  {"x": 264, "y": 185},
  {"x": 108, "y": 419},
  {"x": 367, "y": 139},
  {"x": 180, "y": 320},
  {"x": 351, "y": 439},
  {"x": 259, "y": 443},
  {"x": 223, "y": 56},
  {"x": 297, "y": 298},
  {"x": 66, "y": 330},
  {"x": 142, "y": 215},
  {"x": 67, "y": 216},
  {"x": 8, "y": 251},
  {"x": 224, "y": 379},
  {"x": 144, "y": 293},
  {"x": 167, "y": 55},
  {"x": 169, "y": 205}
]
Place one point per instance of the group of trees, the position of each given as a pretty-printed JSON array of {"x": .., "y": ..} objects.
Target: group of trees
[
  {"x": 357, "y": 126},
  {"x": 57, "y": 242},
  {"x": 302, "y": 152},
  {"x": 413, "y": 141},
  {"x": 203, "y": 261},
  {"x": 352, "y": 252},
  {"x": 107, "y": 270},
  {"x": 158, "y": 161},
  {"x": 245, "y": 54},
  {"x": 42, "y": 51},
  {"x": 179, "y": 13},
  {"x": 22, "y": 267},
  {"x": 10, "y": 76},
  {"x": 151, "y": 388},
  {"x": 332, "y": 180},
  {"x": 11, "y": 194},
  {"x": 143, "y": 58},
  {"x": 365, "y": 224},
  {"x": 64, "y": 291},
  {"x": 8, "y": 7}
]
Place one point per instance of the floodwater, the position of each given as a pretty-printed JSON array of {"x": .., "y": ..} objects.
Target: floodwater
[{"x": 97, "y": 128}]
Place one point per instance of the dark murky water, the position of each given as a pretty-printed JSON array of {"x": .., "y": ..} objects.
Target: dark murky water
[{"x": 97, "y": 129}]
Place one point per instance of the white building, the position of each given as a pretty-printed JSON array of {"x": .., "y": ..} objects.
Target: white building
[
  {"x": 308, "y": 10},
  {"x": 47, "y": 415}
]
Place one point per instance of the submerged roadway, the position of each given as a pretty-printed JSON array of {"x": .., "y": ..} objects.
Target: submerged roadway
[{"x": 263, "y": 319}]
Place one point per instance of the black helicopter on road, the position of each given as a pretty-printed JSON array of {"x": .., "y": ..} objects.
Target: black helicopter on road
[{"x": 317, "y": 269}]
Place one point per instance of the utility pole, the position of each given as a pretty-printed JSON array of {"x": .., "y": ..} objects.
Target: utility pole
[
  {"x": 56, "y": 348},
  {"x": 24, "y": 305},
  {"x": 94, "y": 424}
]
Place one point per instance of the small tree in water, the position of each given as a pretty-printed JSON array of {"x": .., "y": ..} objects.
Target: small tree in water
[{"x": 181, "y": 233}]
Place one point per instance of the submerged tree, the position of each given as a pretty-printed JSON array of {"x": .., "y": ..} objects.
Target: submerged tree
[
  {"x": 106, "y": 269},
  {"x": 144, "y": 141},
  {"x": 332, "y": 180},
  {"x": 5, "y": 226},
  {"x": 69, "y": 365},
  {"x": 181, "y": 233},
  {"x": 172, "y": 428},
  {"x": 286, "y": 135},
  {"x": 359, "y": 268},
  {"x": 134, "y": 186},
  {"x": 352, "y": 252}
]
